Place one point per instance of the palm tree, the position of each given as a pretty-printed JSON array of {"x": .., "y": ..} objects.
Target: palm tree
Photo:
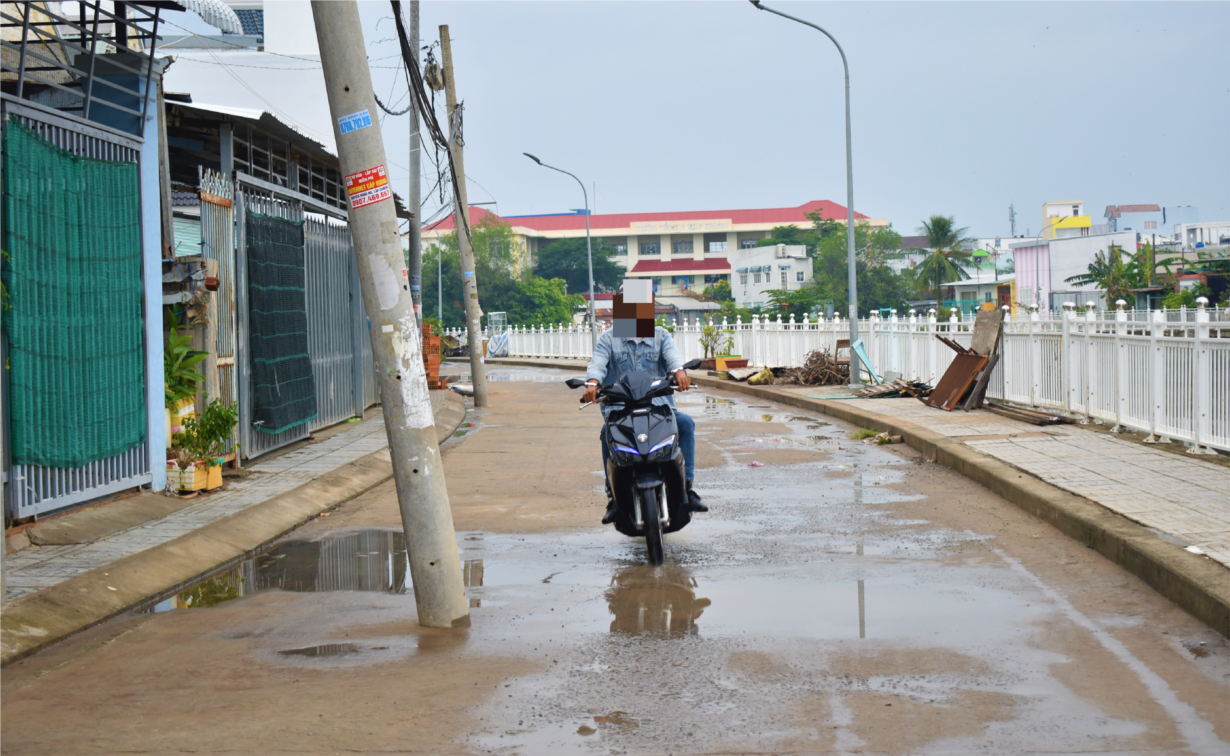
[{"x": 944, "y": 240}]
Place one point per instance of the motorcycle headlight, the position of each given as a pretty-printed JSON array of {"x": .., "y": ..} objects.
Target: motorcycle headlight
[
  {"x": 628, "y": 449},
  {"x": 663, "y": 444}
]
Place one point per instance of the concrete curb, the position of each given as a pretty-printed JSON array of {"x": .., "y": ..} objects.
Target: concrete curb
[
  {"x": 33, "y": 622},
  {"x": 1198, "y": 585}
]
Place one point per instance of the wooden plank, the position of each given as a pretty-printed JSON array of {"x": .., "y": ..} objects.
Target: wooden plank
[
  {"x": 987, "y": 326},
  {"x": 954, "y": 346}
]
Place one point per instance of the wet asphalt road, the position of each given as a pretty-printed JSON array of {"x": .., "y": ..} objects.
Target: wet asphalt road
[{"x": 840, "y": 598}]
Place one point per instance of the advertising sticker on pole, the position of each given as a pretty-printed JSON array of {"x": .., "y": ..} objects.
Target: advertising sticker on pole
[{"x": 368, "y": 187}]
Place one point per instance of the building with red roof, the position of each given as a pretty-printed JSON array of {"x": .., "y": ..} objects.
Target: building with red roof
[{"x": 679, "y": 250}]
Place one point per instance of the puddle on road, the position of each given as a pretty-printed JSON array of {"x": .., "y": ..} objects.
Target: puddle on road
[
  {"x": 324, "y": 649},
  {"x": 367, "y": 560}
]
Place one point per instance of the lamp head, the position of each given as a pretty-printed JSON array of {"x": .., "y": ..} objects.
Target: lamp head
[{"x": 531, "y": 157}]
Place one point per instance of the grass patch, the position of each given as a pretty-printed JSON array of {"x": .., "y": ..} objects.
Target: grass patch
[{"x": 862, "y": 433}]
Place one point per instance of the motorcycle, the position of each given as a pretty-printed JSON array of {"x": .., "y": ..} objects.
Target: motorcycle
[{"x": 644, "y": 461}]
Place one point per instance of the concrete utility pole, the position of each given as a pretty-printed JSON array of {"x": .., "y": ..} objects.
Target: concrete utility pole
[
  {"x": 435, "y": 564},
  {"x": 415, "y": 194},
  {"x": 461, "y": 214}
]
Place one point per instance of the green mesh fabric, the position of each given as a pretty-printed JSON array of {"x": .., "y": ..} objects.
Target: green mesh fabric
[
  {"x": 283, "y": 392},
  {"x": 72, "y": 239}
]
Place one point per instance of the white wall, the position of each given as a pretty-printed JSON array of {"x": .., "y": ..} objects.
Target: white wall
[{"x": 1072, "y": 256}]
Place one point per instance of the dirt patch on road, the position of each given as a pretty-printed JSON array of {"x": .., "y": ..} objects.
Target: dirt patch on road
[{"x": 226, "y": 671}]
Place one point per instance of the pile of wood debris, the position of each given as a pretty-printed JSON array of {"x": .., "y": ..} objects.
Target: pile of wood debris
[
  {"x": 898, "y": 387},
  {"x": 820, "y": 369}
]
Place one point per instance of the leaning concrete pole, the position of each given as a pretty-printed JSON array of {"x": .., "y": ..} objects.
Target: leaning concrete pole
[
  {"x": 469, "y": 286},
  {"x": 435, "y": 564},
  {"x": 415, "y": 194}
]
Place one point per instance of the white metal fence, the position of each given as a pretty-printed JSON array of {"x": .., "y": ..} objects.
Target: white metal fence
[{"x": 1162, "y": 373}]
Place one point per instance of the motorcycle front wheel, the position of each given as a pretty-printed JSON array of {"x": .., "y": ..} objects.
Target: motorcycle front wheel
[{"x": 653, "y": 526}]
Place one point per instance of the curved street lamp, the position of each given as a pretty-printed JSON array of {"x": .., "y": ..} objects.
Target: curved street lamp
[
  {"x": 854, "y": 366},
  {"x": 589, "y": 251}
]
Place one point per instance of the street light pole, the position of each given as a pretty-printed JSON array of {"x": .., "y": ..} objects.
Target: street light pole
[
  {"x": 589, "y": 250},
  {"x": 854, "y": 364}
]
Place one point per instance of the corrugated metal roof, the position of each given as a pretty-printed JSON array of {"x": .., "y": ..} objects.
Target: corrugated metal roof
[{"x": 776, "y": 215}]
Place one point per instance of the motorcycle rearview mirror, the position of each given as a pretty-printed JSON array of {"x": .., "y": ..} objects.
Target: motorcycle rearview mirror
[
  {"x": 574, "y": 383},
  {"x": 691, "y": 364}
]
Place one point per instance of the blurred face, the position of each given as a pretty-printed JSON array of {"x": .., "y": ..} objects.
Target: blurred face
[{"x": 633, "y": 310}]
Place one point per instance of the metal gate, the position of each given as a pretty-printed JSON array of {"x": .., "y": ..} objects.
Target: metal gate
[
  {"x": 339, "y": 344},
  {"x": 217, "y": 245},
  {"x": 31, "y": 490}
]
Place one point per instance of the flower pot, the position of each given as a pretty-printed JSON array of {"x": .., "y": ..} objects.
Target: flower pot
[
  {"x": 185, "y": 409},
  {"x": 193, "y": 478},
  {"x": 213, "y": 477},
  {"x": 734, "y": 361}
]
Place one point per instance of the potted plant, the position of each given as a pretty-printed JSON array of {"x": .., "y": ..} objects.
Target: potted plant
[
  {"x": 180, "y": 381},
  {"x": 715, "y": 342},
  {"x": 201, "y": 446}
]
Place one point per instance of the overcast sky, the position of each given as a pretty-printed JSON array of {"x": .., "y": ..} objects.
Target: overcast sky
[{"x": 958, "y": 108}]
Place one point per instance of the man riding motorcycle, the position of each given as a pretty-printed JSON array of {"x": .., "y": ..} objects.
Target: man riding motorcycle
[{"x": 636, "y": 343}]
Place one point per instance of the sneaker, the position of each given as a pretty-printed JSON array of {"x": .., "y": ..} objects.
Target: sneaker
[{"x": 695, "y": 504}]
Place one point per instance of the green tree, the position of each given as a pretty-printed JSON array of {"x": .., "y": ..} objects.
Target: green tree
[
  {"x": 527, "y": 299},
  {"x": 567, "y": 259},
  {"x": 944, "y": 240},
  {"x": 792, "y": 235},
  {"x": 720, "y": 292},
  {"x": 797, "y": 302},
  {"x": 879, "y": 286}
]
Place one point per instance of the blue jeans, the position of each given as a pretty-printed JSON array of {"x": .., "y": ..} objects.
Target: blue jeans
[{"x": 687, "y": 443}]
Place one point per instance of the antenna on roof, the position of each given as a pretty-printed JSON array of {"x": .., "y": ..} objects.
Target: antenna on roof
[{"x": 1012, "y": 218}]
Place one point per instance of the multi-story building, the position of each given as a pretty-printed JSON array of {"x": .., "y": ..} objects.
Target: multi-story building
[
  {"x": 1064, "y": 219},
  {"x": 1150, "y": 219},
  {"x": 678, "y": 250},
  {"x": 759, "y": 270}
]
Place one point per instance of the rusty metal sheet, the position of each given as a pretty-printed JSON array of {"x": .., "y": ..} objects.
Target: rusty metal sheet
[{"x": 956, "y": 381}]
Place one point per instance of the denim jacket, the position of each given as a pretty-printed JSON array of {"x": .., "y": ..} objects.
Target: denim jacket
[{"x": 615, "y": 357}]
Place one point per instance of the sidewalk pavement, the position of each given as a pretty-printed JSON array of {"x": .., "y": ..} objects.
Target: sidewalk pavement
[
  {"x": 1182, "y": 498},
  {"x": 1177, "y": 498},
  {"x": 309, "y": 479}
]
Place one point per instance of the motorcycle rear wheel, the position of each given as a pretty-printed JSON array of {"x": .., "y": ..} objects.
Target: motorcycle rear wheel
[{"x": 656, "y": 552}]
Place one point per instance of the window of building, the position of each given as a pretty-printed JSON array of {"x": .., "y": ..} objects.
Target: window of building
[
  {"x": 712, "y": 279},
  {"x": 682, "y": 282},
  {"x": 1076, "y": 209},
  {"x": 747, "y": 244},
  {"x": 621, "y": 250},
  {"x": 1150, "y": 225},
  {"x": 798, "y": 276},
  {"x": 743, "y": 279},
  {"x": 682, "y": 248},
  {"x": 717, "y": 246},
  {"x": 755, "y": 278},
  {"x": 657, "y": 281},
  {"x": 650, "y": 248}
]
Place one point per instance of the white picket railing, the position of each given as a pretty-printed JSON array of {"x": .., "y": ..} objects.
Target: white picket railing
[{"x": 1165, "y": 374}]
